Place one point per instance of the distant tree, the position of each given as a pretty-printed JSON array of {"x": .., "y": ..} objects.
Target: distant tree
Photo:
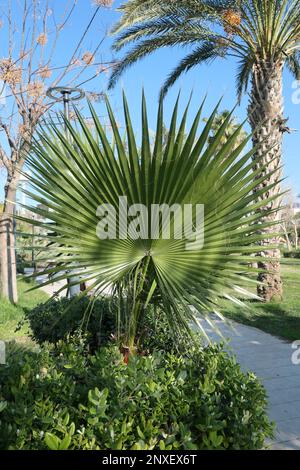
[
  {"x": 290, "y": 222},
  {"x": 31, "y": 35},
  {"x": 232, "y": 126}
]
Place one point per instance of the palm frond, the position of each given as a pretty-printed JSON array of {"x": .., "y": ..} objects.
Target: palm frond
[
  {"x": 73, "y": 177},
  {"x": 183, "y": 31},
  {"x": 205, "y": 53},
  {"x": 139, "y": 11},
  {"x": 262, "y": 31},
  {"x": 143, "y": 49},
  {"x": 243, "y": 76},
  {"x": 293, "y": 64}
]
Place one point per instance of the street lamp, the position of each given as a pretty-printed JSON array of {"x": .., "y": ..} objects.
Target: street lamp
[{"x": 67, "y": 95}]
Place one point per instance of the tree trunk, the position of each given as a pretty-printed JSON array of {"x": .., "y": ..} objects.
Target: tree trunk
[
  {"x": 8, "y": 266},
  {"x": 266, "y": 118}
]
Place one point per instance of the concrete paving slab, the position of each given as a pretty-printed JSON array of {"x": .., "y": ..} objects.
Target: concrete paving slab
[
  {"x": 270, "y": 358},
  {"x": 281, "y": 383},
  {"x": 284, "y": 411},
  {"x": 289, "y": 445}
]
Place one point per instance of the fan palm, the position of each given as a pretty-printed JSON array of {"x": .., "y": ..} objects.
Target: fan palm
[
  {"x": 71, "y": 180},
  {"x": 263, "y": 35}
]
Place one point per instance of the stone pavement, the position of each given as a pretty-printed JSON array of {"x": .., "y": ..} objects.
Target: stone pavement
[
  {"x": 52, "y": 288},
  {"x": 270, "y": 359}
]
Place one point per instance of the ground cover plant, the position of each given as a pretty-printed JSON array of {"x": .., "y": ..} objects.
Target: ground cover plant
[{"x": 64, "y": 398}]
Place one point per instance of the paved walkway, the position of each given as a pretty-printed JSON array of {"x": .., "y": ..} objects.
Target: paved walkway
[
  {"x": 53, "y": 288},
  {"x": 271, "y": 360}
]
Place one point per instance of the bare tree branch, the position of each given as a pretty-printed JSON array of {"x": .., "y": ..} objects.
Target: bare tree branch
[{"x": 26, "y": 71}]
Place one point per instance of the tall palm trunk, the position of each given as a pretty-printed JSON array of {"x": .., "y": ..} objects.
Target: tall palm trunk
[
  {"x": 8, "y": 267},
  {"x": 266, "y": 118}
]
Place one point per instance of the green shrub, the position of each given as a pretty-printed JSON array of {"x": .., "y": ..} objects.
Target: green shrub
[
  {"x": 292, "y": 254},
  {"x": 64, "y": 398},
  {"x": 155, "y": 334},
  {"x": 56, "y": 319}
]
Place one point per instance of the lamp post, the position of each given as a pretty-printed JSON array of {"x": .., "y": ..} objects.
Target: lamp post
[{"x": 67, "y": 95}]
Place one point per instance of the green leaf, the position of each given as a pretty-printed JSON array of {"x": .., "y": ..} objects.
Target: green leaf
[
  {"x": 52, "y": 441},
  {"x": 140, "y": 433},
  {"x": 162, "y": 445},
  {"x": 65, "y": 443},
  {"x": 3, "y": 405}
]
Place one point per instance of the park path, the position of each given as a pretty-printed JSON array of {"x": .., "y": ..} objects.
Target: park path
[
  {"x": 53, "y": 288},
  {"x": 270, "y": 359}
]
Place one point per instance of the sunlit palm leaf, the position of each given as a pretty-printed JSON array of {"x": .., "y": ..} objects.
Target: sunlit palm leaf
[{"x": 72, "y": 176}]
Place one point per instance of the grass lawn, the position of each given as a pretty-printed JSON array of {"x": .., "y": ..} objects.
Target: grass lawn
[
  {"x": 279, "y": 318},
  {"x": 10, "y": 315}
]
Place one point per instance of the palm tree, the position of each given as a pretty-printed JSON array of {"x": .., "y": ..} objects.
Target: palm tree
[
  {"x": 263, "y": 35},
  {"x": 71, "y": 180},
  {"x": 233, "y": 125}
]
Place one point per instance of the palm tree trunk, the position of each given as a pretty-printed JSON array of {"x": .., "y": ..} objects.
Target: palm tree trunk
[
  {"x": 266, "y": 118},
  {"x": 8, "y": 266}
]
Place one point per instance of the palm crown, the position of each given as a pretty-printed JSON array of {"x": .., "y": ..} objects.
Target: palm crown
[
  {"x": 73, "y": 179},
  {"x": 250, "y": 30}
]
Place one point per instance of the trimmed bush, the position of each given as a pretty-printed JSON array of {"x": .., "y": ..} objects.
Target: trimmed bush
[
  {"x": 292, "y": 254},
  {"x": 64, "y": 398},
  {"x": 155, "y": 334},
  {"x": 56, "y": 319}
]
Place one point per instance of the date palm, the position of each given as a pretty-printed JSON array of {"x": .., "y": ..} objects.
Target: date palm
[
  {"x": 263, "y": 35},
  {"x": 71, "y": 180}
]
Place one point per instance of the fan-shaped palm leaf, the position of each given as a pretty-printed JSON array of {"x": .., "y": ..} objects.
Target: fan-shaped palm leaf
[{"x": 72, "y": 177}]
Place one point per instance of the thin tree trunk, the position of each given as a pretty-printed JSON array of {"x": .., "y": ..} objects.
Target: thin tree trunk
[
  {"x": 8, "y": 265},
  {"x": 296, "y": 235},
  {"x": 266, "y": 118}
]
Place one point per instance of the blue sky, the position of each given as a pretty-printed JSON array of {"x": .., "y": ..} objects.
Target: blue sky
[{"x": 216, "y": 80}]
